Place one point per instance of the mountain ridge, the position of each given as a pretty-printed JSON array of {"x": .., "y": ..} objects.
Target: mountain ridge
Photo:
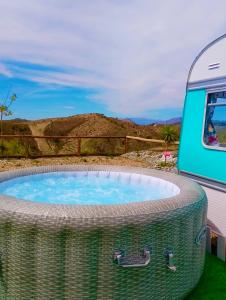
[
  {"x": 145, "y": 121},
  {"x": 136, "y": 120}
]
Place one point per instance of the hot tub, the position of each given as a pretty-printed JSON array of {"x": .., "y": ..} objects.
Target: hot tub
[{"x": 134, "y": 244}]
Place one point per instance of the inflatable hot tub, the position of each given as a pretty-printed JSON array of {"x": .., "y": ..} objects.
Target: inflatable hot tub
[{"x": 146, "y": 241}]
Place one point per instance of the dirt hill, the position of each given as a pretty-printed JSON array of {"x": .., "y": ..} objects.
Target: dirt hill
[{"x": 79, "y": 125}]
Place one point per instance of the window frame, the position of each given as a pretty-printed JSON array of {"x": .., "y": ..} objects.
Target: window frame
[{"x": 211, "y": 91}]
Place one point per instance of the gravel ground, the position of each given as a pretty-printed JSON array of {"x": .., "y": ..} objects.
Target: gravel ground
[
  {"x": 10, "y": 164},
  {"x": 155, "y": 160},
  {"x": 146, "y": 159}
]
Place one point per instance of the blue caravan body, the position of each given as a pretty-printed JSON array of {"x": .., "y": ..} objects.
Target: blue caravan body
[{"x": 202, "y": 150}]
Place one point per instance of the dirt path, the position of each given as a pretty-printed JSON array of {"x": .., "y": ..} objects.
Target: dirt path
[{"x": 38, "y": 129}]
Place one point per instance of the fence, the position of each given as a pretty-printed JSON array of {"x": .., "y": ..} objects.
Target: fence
[{"x": 28, "y": 152}]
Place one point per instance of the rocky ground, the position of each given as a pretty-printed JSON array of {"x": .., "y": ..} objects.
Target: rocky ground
[
  {"x": 146, "y": 159},
  {"x": 154, "y": 160}
]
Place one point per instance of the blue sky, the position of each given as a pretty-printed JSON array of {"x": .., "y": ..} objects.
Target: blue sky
[{"x": 121, "y": 58}]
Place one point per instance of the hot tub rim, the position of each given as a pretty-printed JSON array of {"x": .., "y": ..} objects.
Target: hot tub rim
[{"x": 191, "y": 194}]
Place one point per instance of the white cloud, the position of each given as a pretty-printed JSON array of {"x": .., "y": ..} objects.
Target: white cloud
[
  {"x": 69, "y": 107},
  {"x": 5, "y": 71},
  {"x": 136, "y": 52}
]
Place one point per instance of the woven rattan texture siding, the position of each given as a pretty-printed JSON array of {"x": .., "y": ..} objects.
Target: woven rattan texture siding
[{"x": 56, "y": 252}]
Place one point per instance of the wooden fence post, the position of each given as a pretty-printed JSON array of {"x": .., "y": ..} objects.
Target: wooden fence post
[
  {"x": 126, "y": 145},
  {"x": 79, "y": 146}
]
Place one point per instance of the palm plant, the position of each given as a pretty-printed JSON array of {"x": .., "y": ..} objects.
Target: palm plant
[{"x": 169, "y": 135}]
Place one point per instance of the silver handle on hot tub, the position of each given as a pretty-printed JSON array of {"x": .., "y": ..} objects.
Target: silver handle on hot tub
[
  {"x": 133, "y": 261},
  {"x": 201, "y": 235},
  {"x": 170, "y": 260}
]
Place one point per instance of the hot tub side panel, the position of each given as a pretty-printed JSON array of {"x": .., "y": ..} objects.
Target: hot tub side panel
[
  {"x": 176, "y": 232},
  {"x": 194, "y": 157},
  {"x": 43, "y": 263}
]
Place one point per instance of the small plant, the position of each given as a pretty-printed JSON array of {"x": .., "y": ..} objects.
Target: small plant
[
  {"x": 163, "y": 164},
  {"x": 5, "y": 105},
  {"x": 5, "y": 111}
]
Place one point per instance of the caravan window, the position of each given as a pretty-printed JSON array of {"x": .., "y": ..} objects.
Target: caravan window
[{"x": 215, "y": 120}]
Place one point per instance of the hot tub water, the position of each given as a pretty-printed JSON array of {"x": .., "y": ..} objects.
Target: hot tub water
[{"x": 97, "y": 188}]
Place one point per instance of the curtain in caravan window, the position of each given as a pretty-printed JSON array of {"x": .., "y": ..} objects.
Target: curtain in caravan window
[
  {"x": 215, "y": 120},
  {"x": 210, "y": 135}
]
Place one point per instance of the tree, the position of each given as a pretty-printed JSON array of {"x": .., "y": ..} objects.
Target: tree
[
  {"x": 169, "y": 135},
  {"x": 5, "y": 111}
]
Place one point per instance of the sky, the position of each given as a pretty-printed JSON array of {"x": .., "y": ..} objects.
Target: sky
[{"x": 122, "y": 58}]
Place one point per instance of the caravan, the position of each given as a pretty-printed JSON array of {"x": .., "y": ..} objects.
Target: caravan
[{"x": 202, "y": 151}]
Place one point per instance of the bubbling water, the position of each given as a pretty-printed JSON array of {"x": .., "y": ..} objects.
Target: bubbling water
[{"x": 88, "y": 188}]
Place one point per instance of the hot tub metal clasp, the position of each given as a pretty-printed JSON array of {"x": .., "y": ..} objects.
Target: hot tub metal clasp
[
  {"x": 132, "y": 261},
  {"x": 201, "y": 235},
  {"x": 170, "y": 260}
]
